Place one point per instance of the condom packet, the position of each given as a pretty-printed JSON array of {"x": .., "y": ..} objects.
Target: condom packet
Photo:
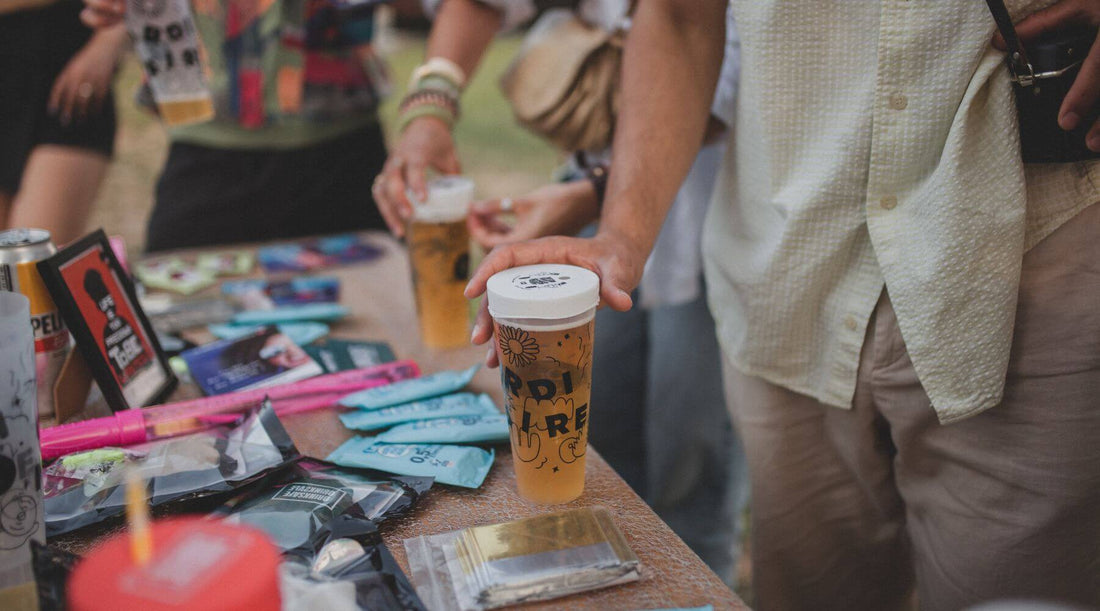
[
  {"x": 442, "y": 383},
  {"x": 462, "y": 429},
  {"x": 321, "y": 312},
  {"x": 317, "y": 253},
  {"x": 353, "y": 569},
  {"x": 458, "y": 404},
  {"x": 295, "y": 510},
  {"x": 538, "y": 558},
  {"x": 300, "y": 333},
  {"x": 172, "y": 316},
  {"x": 173, "y": 274},
  {"x": 228, "y": 263},
  {"x": 449, "y": 464},
  {"x": 88, "y": 487},
  {"x": 341, "y": 355},
  {"x": 261, "y": 294}
]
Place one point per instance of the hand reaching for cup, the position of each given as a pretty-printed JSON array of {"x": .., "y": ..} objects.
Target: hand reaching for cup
[
  {"x": 556, "y": 209},
  {"x": 426, "y": 144}
]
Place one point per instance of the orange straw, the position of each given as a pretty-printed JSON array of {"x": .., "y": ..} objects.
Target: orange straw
[{"x": 137, "y": 517}]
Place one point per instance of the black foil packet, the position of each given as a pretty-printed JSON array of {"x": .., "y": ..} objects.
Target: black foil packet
[
  {"x": 52, "y": 566},
  {"x": 89, "y": 487},
  {"x": 351, "y": 552},
  {"x": 295, "y": 511}
]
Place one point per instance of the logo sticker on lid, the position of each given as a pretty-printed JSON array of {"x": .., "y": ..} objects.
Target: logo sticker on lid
[{"x": 540, "y": 280}]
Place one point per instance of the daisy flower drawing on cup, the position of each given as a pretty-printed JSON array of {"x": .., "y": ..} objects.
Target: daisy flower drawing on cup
[{"x": 517, "y": 346}]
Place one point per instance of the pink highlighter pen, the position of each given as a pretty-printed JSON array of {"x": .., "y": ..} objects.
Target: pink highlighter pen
[{"x": 133, "y": 426}]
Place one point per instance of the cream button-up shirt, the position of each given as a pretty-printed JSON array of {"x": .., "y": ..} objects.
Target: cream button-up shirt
[{"x": 876, "y": 146}]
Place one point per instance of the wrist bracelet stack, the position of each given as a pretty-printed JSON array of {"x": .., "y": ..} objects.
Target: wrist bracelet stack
[{"x": 434, "y": 91}]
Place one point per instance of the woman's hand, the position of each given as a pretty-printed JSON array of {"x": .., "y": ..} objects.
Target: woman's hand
[
  {"x": 103, "y": 13},
  {"x": 81, "y": 88},
  {"x": 557, "y": 209},
  {"x": 1083, "y": 95},
  {"x": 425, "y": 144}
]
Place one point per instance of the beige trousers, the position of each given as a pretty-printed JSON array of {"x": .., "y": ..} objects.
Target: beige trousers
[{"x": 854, "y": 509}]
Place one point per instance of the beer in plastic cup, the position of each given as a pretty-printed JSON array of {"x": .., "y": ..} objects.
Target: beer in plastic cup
[
  {"x": 439, "y": 249},
  {"x": 167, "y": 44},
  {"x": 543, "y": 318}
]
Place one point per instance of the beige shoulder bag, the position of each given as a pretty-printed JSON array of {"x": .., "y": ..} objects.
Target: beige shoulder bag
[{"x": 564, "y": 82}]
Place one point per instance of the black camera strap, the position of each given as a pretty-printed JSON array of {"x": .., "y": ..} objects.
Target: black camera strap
[{"x": 1017, "y": 57}]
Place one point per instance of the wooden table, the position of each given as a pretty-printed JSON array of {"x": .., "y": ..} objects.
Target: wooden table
[{"x": 379, "y": 295}]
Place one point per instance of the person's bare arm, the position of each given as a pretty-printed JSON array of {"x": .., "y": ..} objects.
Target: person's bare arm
[
  {"x": 673, "y": 55},
  {"x": 671, "y": 66},
  {"x": 461, "y": 32}
]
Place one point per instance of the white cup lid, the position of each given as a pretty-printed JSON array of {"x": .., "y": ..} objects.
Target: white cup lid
[
  {"x": 448, "y": 200},
  {"x": 547, "y": 291}
]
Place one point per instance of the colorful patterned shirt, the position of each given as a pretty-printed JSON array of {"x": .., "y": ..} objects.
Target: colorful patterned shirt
[{"x": 286, "y": 73}]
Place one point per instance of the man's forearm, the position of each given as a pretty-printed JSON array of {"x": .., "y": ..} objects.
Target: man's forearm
[
  {"x": 461, "y": 31},
  {"x": 673, "y": 56}
]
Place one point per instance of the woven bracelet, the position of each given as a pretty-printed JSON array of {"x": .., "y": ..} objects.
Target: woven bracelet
[
  {"x": 429, "y": 96},
  {"x": 424, "y": 110},
  {"x": 427, "y": 103}
]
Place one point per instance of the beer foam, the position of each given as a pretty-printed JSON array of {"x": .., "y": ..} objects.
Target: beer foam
[
  {"x": 448, "y": 200},
  {"x": 538, "y": 324}
]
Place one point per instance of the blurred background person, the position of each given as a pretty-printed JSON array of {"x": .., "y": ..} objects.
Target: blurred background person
[
  {"x": 295, "y": 142},
  {"x": 659, "y": 414},
  {"x": 57, "y": 114}
]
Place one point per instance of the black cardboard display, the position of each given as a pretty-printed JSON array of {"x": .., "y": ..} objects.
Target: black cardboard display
[{"x": 99, "y": 305}]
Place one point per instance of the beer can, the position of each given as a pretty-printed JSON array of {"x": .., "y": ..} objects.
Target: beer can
[{"x": 20, "y": 250}]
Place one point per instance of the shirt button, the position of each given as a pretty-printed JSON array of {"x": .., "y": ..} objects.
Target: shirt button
[
  {"x": 850, "y": 322},
  {"x": 888, "y": 203},
  {"x": 898, "y": 101}
]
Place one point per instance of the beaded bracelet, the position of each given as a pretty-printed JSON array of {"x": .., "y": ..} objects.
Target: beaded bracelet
[
  {"x": 427, "y": 103},
  {"x": 433, "y": 82},
  {"x": 440, "y": 68},
  {"x": 429, "y": 96}
]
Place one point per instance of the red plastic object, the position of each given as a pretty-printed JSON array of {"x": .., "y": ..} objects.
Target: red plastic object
[{"x": 196, "y": 564}]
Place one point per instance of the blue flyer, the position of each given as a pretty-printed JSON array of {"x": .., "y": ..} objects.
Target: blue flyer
[{"x": 262, "y": 358}]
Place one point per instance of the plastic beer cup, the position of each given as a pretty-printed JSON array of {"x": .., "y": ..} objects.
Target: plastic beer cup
[
  {"x": 543, "y": 318},
  {"x": 167, "y": 43},
  {"x": 439, "y": 250}
]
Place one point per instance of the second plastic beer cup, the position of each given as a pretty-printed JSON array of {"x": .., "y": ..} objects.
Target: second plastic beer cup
[
  {"x": 543, "y": 317},
  {"x": 167, "y": 43},
  {"x": 439, "y": 249}
]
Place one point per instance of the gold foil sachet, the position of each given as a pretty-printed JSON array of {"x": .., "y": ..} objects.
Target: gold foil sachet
[{"x": 539, "y": 558}]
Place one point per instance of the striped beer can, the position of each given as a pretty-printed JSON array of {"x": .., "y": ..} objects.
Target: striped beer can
[{"x": 20, "y": 250}]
